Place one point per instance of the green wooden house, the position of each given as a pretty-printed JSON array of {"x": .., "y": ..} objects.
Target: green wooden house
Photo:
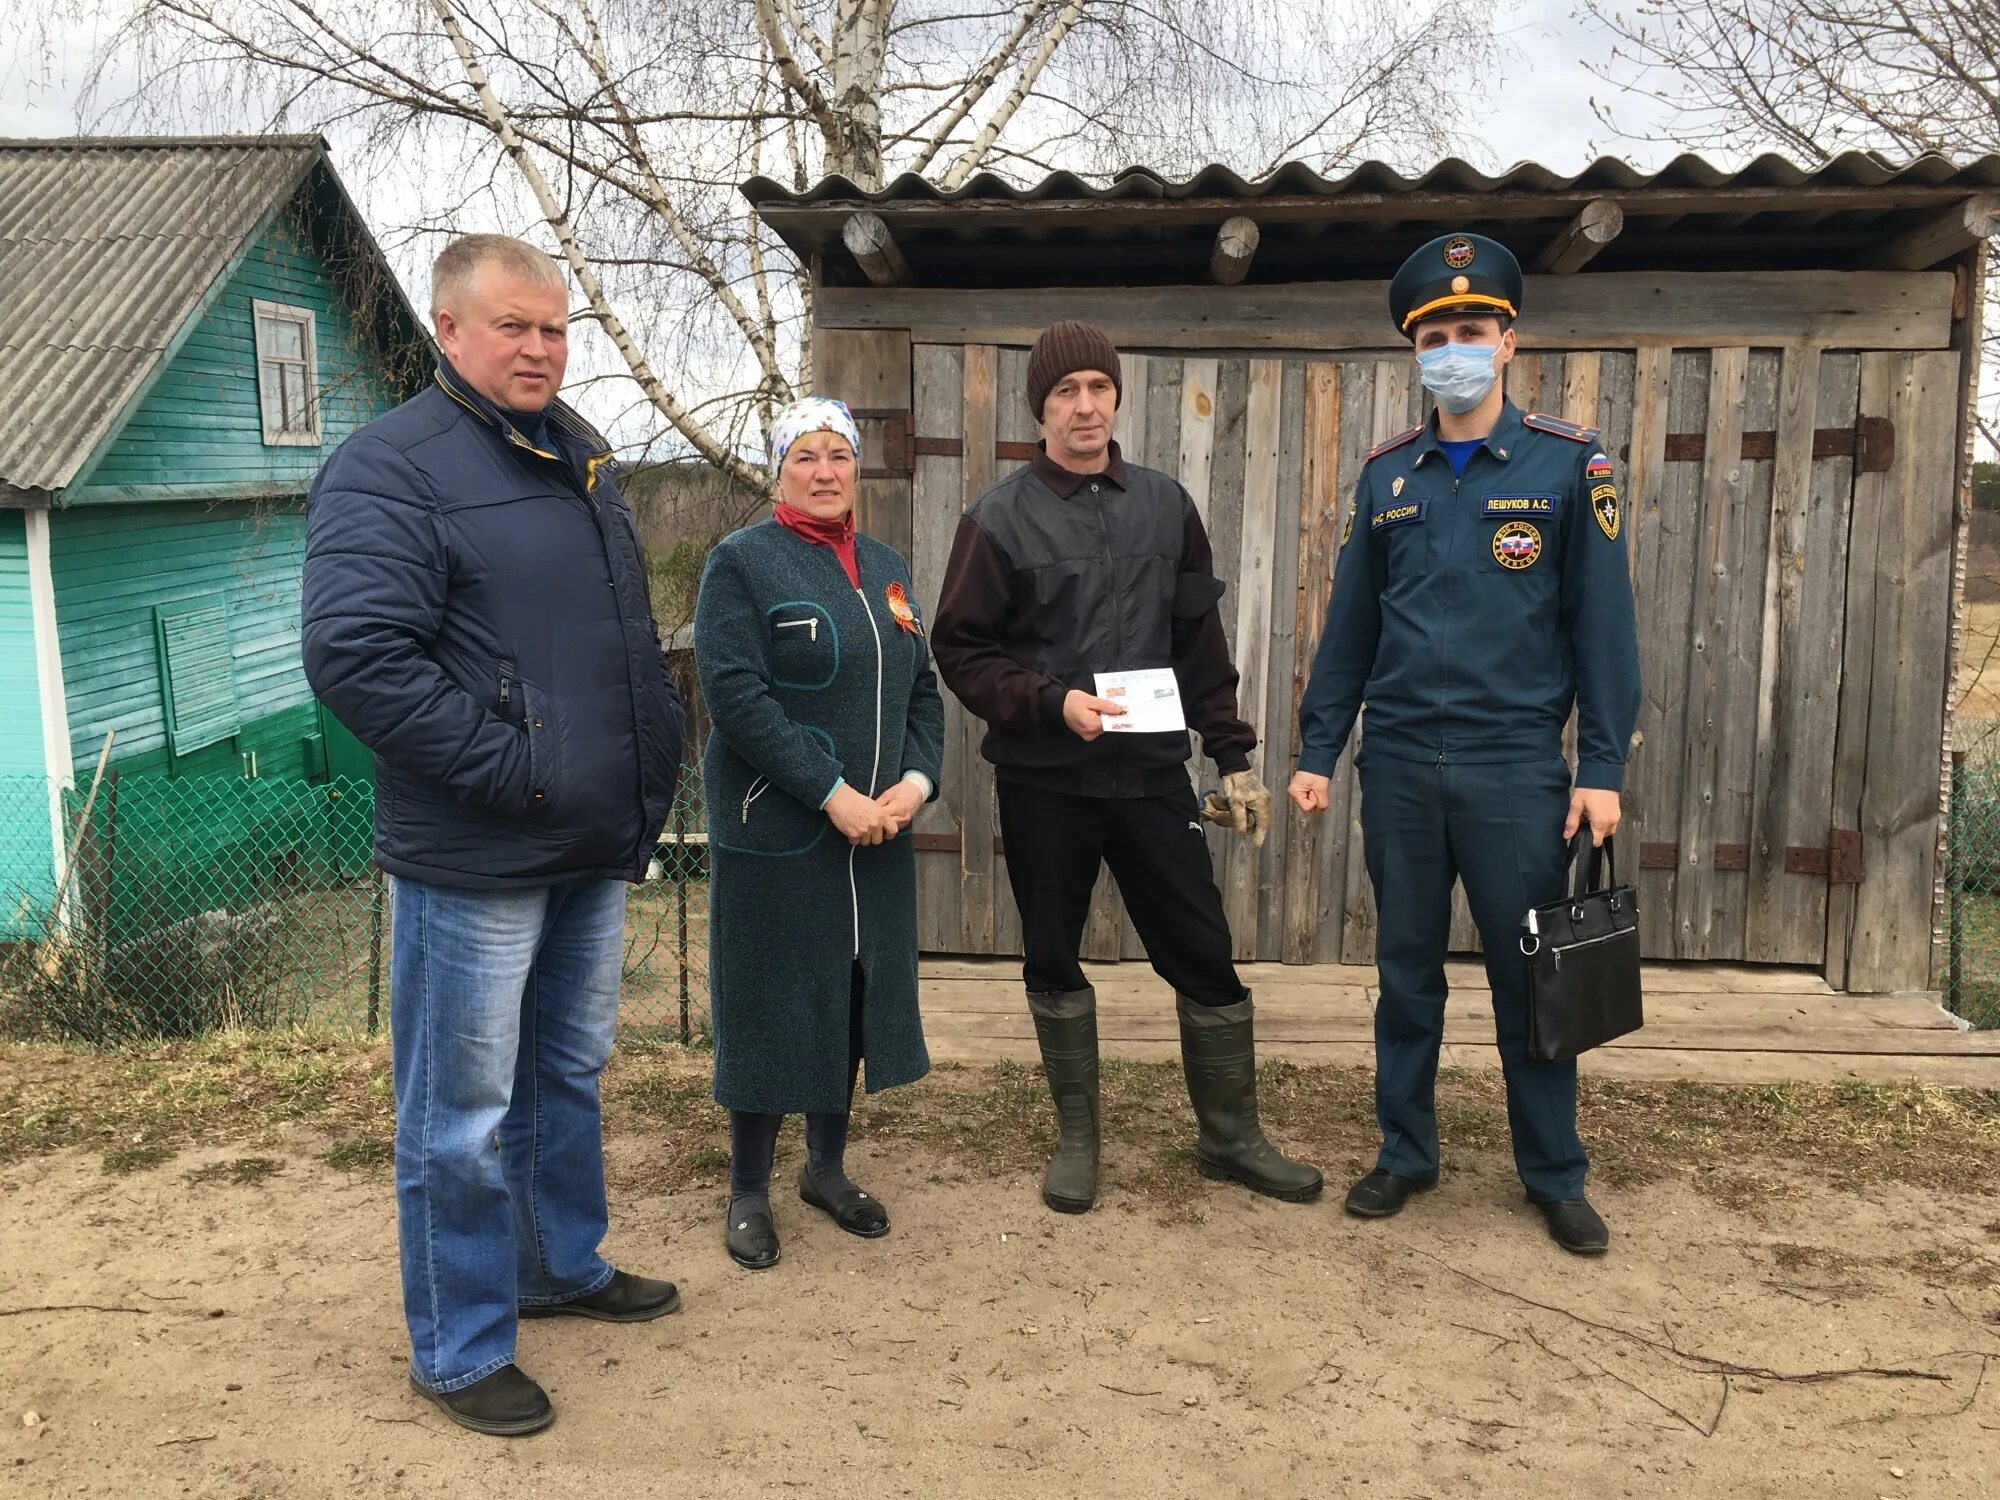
[{"x": 189, "y": 327}]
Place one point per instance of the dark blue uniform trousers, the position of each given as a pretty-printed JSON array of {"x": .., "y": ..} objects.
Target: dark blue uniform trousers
[{"x": 1499, "y": 829}]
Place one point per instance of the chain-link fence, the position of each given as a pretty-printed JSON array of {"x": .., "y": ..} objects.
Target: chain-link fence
[
  {"x": 157, "y": 906},
  {"x": 1972, "y": 880}
]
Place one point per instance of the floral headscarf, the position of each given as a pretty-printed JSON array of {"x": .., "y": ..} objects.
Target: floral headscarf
[{"x": 813, "y": 414}]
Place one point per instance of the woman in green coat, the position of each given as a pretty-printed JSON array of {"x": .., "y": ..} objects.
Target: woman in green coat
[{"x": 828, "y": 736}]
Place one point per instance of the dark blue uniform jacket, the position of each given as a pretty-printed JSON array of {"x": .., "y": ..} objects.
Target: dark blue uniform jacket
[{"x": 1471, "y": 614}]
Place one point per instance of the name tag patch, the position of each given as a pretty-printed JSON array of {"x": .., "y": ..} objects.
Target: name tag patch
[
  {"x": 1518, "y": 505},
  {"x": 1396, "y": 515}
]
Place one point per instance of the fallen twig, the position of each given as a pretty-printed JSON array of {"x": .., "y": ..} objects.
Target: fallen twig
[
  {"x": 1639, "y": 1390},
  {"x": 394, "y": 1421},
  {"x": 206, "y": 1437},
  {"x": 1699, "y": 1361},
  {"x": 18, "y": 1312},
  {"x": 1123, "y": 1392},
  {"x": 1984, "y": 1360},
  {"x": 1311, "y": 1379},
  {"x": 1500, "y": 1341}
]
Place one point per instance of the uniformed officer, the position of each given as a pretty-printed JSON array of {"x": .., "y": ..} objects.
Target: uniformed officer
[{"x": 1481, "y": 592}]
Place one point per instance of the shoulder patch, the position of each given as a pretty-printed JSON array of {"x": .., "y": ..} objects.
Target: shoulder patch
[
  {"x": 1388, "y": 445},
  {"x": 1576, "y": 432}
]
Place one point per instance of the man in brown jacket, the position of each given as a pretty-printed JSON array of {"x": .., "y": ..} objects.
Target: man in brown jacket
[{"x": 1077, "y": 565}]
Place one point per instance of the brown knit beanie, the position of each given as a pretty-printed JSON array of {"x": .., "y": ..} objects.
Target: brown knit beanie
[{"x": 1063, "y": 349}]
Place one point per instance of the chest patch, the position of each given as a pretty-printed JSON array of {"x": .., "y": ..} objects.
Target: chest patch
[
  {"x": 1518, "y": 505},
  {"x": 1517, "y": 545},
  {"x": 1400, "y": 514}
]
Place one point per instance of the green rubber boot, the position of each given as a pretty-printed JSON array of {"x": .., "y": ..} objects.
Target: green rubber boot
[
  {"x": 1066, "y": 1027},
  {"x": 1219, "y": 1054}
]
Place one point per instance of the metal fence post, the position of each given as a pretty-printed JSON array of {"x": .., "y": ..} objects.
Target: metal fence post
[
  {"x": 681, "y": 911},
  {"x": 375, "y": 904},
  {"x": 1955, "y": 887}
]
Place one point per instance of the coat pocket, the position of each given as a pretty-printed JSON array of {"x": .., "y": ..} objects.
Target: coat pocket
[
  {"x": 804, "y": 645},
  {"x": 536, "y": 717},
  {"x": 749, "y": 813}
]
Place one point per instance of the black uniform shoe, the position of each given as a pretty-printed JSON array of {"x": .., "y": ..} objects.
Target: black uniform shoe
[
  {"x": 1574, "y": 1225},
  {"x": 625, "y": 1298},
  {"x": 752, "y": 1239},
  {"x": 504, "y": 1404},
  {"x": 1380, "y": 1194}
]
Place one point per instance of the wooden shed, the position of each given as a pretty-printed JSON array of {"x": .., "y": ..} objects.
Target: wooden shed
[
  {"x": 190, "y": 325},
  {"x": 1782, "y": 362}
]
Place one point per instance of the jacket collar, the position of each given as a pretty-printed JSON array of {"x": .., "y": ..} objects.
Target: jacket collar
[
  {"x": 1066, "y": 483},
  {"x": 563, "y": 420},
  {"x": 1500, "y": 442}
]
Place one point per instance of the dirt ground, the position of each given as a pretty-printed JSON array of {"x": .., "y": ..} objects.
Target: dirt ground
[{"x": 196, "y": 1300}]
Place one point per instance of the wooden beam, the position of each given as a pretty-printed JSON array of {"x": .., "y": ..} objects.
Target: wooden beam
[
  {"x": 1943, "y": 235},
  {"x": 1596, "y": 225},
  {"x": 1235, "y": 247},
  {"x": 812, "y": 221},
  {"x": 1611, "y": 310},
  {"x": 875, "y": 250}
]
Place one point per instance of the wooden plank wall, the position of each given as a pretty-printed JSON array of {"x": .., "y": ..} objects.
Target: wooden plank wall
[{"x": 1792, "y": 618}]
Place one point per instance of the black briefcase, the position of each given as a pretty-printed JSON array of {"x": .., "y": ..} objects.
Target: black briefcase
[{"x": 1582, "y": 958}]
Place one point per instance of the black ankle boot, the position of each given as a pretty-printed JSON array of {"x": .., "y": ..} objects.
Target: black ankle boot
[{"x": 504, "y": 1404}]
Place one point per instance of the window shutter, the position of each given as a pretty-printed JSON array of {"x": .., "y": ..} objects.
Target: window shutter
[{"x": 200, "y": 673}]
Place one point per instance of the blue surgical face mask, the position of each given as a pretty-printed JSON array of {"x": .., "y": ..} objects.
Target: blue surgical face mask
[{"x": 1459, "y": 375}]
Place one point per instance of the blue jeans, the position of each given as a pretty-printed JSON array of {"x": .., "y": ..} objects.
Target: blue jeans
[{"x": 501, "y": 1011}]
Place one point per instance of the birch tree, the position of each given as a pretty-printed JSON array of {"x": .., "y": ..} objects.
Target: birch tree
[
  {"x": 1814, "y": 78},
  {"x": 616, "y": 132}
]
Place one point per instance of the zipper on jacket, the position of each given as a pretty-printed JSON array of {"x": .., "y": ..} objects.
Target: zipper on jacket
[
  {"x": 875, "y": 770},
  {"x": 1111, "y": 566},
  {"x": 757, "y": 789},
  {"x": 506, "y": 683},
  {"x": 1451, "y": 544},
  {"x": 811, "y": 627}
]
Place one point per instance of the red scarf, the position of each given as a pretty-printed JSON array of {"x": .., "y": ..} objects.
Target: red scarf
[{"x": 839, "y": 535}]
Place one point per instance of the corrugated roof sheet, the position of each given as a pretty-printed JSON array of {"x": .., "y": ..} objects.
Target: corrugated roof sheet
[
  {"x": 106, "y": 248},
  {"x": 1451, "y": 176}
]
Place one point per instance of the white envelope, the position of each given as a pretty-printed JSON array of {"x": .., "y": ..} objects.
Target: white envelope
[{"x": 1151, "y": 698}]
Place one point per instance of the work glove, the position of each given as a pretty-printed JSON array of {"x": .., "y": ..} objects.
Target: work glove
[{"x": 1242, "y": 805}]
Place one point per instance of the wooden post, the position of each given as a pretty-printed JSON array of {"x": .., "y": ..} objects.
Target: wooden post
[
  {"x": 1944, "y": 235},
  {"x": 868, "y": 240},
  {"x": 1596, "y": 225},
  {"x": 1235, "y": 247}
]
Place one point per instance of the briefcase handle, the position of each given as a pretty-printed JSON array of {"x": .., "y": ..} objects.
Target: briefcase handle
[{"x": 1591, "y": 867}]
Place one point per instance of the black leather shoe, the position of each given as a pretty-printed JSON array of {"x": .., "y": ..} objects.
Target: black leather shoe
[
  {"x": 625, "y": 1298},
  {"x": 849, "y": 1207},
  {"x": 752, "y": 1241},
  {"x": 1380, "y": 1194},
  {"x": 504, "y": 1404},
  {"x": 1574, "y": 1225}
]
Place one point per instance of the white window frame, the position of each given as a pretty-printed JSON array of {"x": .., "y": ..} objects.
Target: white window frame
[{"x": 270, "y": 395}]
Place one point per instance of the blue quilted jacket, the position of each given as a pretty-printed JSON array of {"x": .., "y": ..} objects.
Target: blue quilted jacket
[{"x": 476, "y": 611}]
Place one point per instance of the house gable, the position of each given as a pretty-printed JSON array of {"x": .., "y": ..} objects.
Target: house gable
[{"x": 198, "y": 432}]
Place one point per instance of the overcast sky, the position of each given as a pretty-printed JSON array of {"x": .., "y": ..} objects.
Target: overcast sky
[{"x": 1535, "y": 104}]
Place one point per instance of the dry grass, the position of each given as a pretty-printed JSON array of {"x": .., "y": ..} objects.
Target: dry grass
[{"x": 138, "y": 1109}]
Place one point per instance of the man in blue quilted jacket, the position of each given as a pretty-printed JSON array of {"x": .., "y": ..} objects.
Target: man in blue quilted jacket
[{"x": 476, "y": 611}]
